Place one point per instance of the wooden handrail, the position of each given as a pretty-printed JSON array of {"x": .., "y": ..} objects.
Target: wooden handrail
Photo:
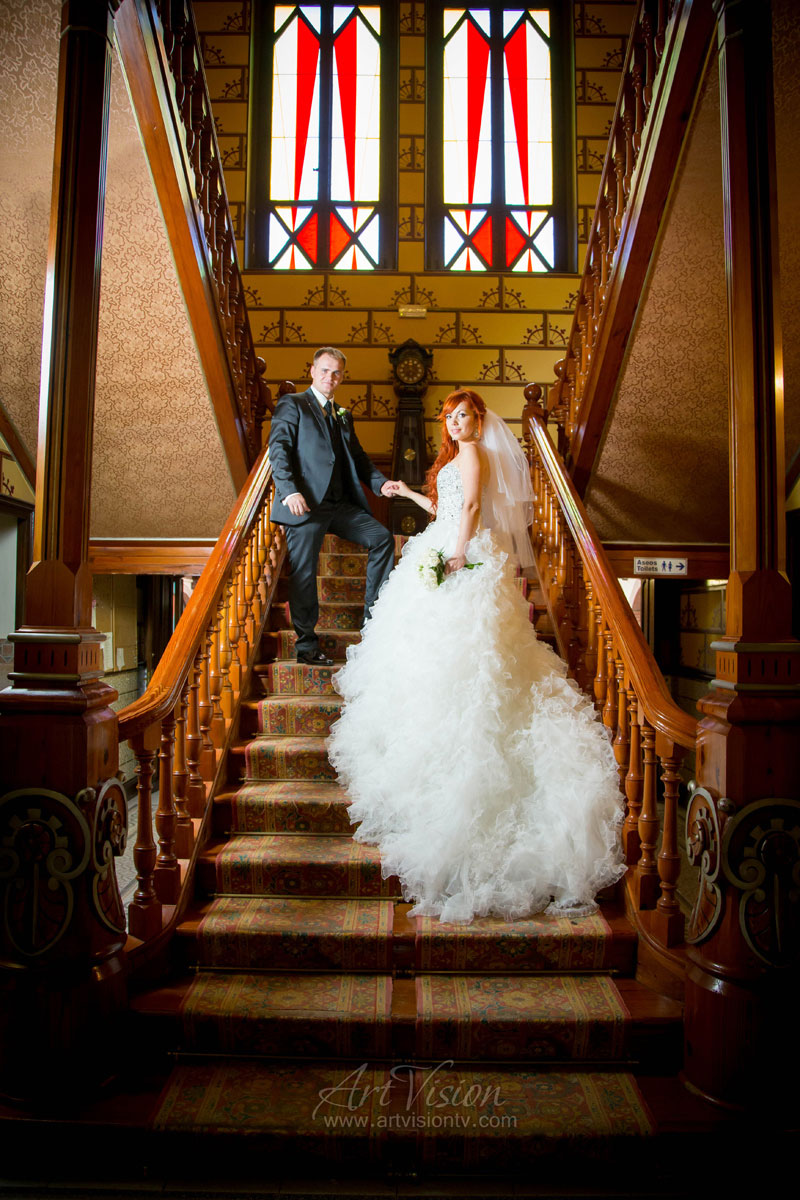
[
  {"x": 169, "y": 676},
  {"x": 660, "y": 709},
  {"x": 607, "y": 655},
  {"x": 664, "y": 61},
  {"x": 162, "y": 59},
  {"x": 189, "y": 710}
]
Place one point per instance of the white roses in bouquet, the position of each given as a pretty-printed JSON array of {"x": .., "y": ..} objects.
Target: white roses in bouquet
[{"x": 432, "y": 568}]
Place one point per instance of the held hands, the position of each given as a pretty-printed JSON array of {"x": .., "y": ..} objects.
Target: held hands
[{"x": 394, "y": 487}]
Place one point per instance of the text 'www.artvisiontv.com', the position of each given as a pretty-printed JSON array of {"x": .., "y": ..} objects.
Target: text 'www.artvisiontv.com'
[{"x": 419, "y": 1121}]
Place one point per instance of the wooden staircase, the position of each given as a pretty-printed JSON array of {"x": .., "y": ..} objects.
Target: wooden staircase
[{"x": 309, "y": 1013}]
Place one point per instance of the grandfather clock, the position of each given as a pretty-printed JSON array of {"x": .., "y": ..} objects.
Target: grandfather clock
[{"x": 410, "y": 366}]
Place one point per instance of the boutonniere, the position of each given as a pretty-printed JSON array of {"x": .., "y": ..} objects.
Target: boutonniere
[{"x": 341, "y": 413}]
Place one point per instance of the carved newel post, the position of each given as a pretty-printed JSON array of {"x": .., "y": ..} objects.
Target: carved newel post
[
  {"x": 62, "y": 813},
  {"x": 743, "y": 824}
]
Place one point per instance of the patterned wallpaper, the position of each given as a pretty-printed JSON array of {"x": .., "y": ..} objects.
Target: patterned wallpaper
[
  {"x": 662, "y": 472},
  {"x": 785, "y": 41},
  {"x": 159, "y": 470},
  {"x": 495, "y": 333}
]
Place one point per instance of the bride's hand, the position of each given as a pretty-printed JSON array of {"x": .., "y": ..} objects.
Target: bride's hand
[{"x": 455, "y": 563}]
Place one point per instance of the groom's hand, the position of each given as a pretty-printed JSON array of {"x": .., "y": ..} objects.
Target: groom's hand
[
  {"x": 390, "y": 488},
  {"x": 296, "y": 504}
]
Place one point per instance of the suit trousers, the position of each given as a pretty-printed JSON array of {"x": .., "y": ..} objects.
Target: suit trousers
[{"x": 304, "y": 542}]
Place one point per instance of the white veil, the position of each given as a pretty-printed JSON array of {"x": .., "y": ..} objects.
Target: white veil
[{"x": 508, "y": 498}]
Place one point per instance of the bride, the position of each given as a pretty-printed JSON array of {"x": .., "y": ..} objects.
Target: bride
[{"x": 473, "y": 764}]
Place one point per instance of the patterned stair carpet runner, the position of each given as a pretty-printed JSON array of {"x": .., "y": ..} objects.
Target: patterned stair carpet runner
[{"x": 306, "y": 957}]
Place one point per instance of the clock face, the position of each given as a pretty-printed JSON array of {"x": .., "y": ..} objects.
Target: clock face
[{"x": 410, "y": 368}]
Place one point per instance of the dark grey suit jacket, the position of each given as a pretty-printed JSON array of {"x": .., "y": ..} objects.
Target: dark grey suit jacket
[{"x": 302, "y": 458}]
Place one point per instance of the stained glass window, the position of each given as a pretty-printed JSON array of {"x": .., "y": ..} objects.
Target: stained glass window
[
  {"x": 322, "y": 177},
  {"x": 500, "y": 155}
]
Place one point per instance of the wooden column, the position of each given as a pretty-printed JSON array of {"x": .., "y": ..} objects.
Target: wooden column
[
  {"x": 746, "y": 815},
  {"x": 62, "y": 931}
]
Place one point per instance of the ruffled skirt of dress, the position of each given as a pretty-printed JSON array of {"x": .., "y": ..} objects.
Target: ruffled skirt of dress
[{"x": 479, "y": 771}]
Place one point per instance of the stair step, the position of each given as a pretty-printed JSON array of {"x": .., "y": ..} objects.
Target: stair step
[
  {"x": 343, "y": 564},
  {"x": 289, "y": 1016},
  {"x": 600, "y": 942},
  {"x": 494, "y": 1117},
  {"x": 296, "y": 716},
  {"x": 275, "y": 758},
  {"x": 502, "y": 1018},
  {"x": 280, "y": 643},
  {"x": 335, "y": 589},
  {"x": 284, "y": 807},
  {"x": 300, "y": 865},
  {"x": 290, "y": 678},
  {"x": 297, "y": 934},
  {"x": 331, "y": 544}
]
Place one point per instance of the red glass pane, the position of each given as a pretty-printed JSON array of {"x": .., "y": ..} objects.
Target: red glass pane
[
  {"x": 345, "y": 51},
  {"x": 477, "y": 66},
  {"x": 339, "y": 237},
  {"x": 307, "y": 237},
  {"x": 482, "y": 239},
  {"x": 307, "y": 55},
  {"x": 517, "y": 66},
  {"x": 515, "y": 240}
]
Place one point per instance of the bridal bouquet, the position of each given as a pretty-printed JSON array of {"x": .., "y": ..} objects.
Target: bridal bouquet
[{"x": 431, "y": 568}]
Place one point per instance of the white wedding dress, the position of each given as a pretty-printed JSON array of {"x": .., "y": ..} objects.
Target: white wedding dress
[{"x": 472, "y": 763}]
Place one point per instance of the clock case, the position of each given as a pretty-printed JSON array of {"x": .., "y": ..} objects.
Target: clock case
[{"x": 411, "y": 364}]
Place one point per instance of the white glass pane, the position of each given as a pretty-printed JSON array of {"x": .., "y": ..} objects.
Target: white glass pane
[
  {"x": 282, "y": 13},
  {"x": 468, "y": 260},
  {"x": 355, "y": 151},
  {"x": 510, "y": 18},
  {"x": 340, "y": 14},
  {"x": 458, "y": 90},
  {"x": 353, "y": 259},
  {"x": 452, "y": 240},
  {"x": 292, "y": 259},
  {"x": 482, "y": 18},
  {"x": 372, "y": 15},
  {"x": 278, "y": 237},
  {"x": 544, "y": 242},
  {"x": 293, "y": 218},
  {"x": 311, "y": 14},
  {"x": 369, "y": 239},
  {"x": 451, "y": 15},
  {"x": 288, "y": 155},
  {"x": 542, "y": 18},
  {"x": 532, "y": 125}
]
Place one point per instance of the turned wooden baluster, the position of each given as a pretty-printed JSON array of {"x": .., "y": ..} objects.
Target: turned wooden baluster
[
  {"x": 582, "y": 673},
  {"x": 628, "y": 126},
  {"x": 234, "y": 668},
  {"x": 590, "y": 654},
  {"x": 226, "y": 691},
  {"x": 570, "y": 616},
  {"x": 600, "y": 677},
  {"x": 610, "y": 706},
  {"x": 144, "y": 911},
  {"x": 582, "y": 321},
  {"x": 622, "y": 741},
  {"x": 669, "y": 921},
  {"x": 637, "y": 79},
  {"x": 646, "y": 880},
  {"x": 218, "y": 727},
  {"x": 184, "y": 829},
  {"x": 648, "y": 39},
  {"x": 634, "y": 781},
  {"x": 195, "y": 791},
  {"x": 619, "y": 174},
  {"x": 240, "y": 650},
  {"x": 247, "y": 593},
  {"x": 167, "y": 879},
  {"x": 602, "y": 231},
  {"x": 661, "y": 26},
  {"x": 205, "y": 710}
]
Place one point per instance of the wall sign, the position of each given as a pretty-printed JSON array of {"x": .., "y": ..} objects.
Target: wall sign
[{"x": 663, "y": 565}]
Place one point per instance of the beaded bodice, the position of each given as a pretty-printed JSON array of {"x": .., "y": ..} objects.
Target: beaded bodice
[{"x": 451, "y": 493}]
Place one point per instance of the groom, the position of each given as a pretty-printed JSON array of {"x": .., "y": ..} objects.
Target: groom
[{"x": 318, "y": 464}]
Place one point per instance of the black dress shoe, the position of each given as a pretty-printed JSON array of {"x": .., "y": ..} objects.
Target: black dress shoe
[{"x": 315, "y": 658}]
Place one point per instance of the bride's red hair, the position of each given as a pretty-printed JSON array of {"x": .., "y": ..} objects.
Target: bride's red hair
[{"x": 449, "y": 448}]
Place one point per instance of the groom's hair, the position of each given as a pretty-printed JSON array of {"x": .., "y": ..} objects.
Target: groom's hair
[{"x": 334, "y": 353}]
